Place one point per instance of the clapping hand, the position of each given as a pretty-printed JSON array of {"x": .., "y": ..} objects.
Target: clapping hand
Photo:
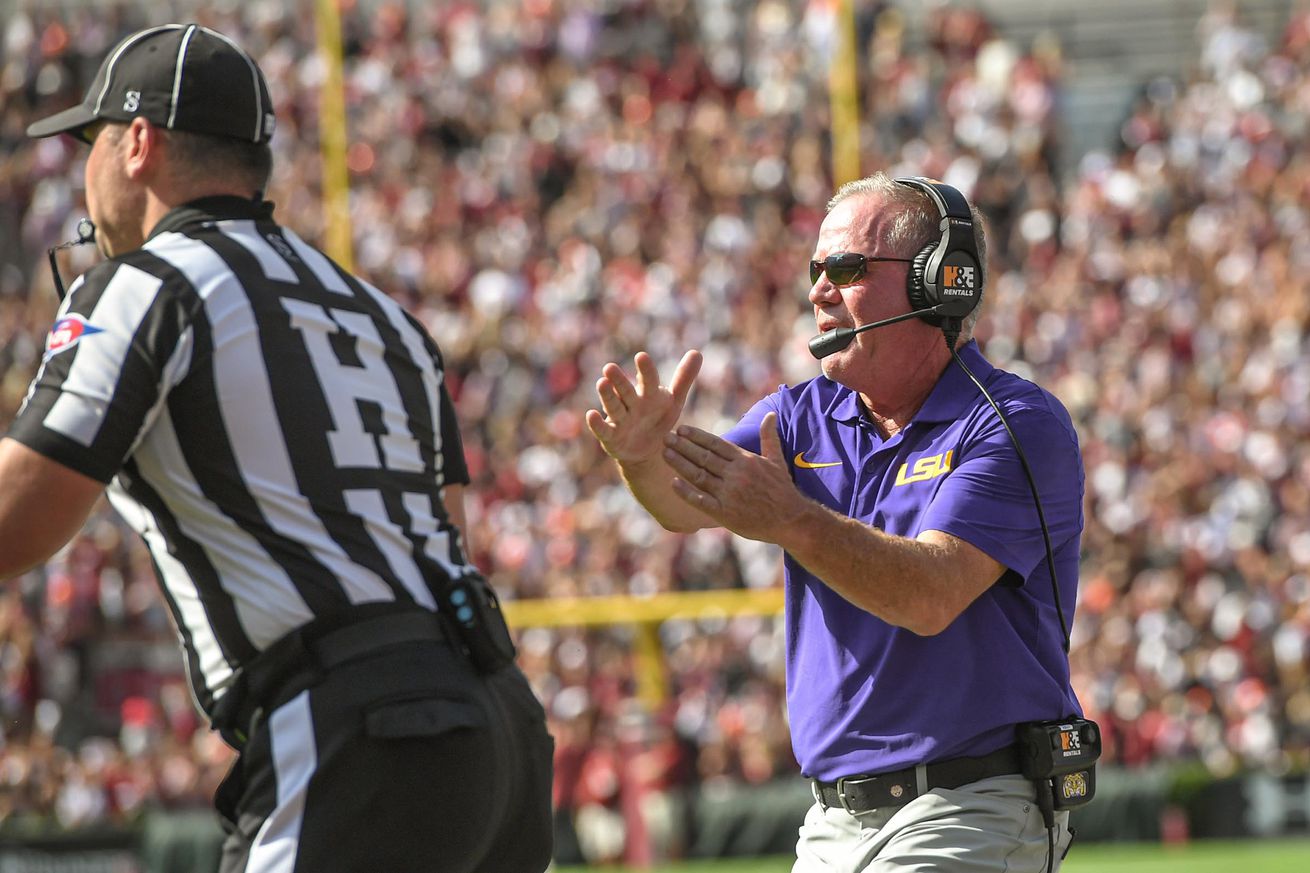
[
  {"x": 636, "y": 417},
  {"x": 751, "y": 495}
]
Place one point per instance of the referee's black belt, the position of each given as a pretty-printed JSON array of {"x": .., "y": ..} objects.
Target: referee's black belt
[
  {"x": 857, "y": 794},
  {"x": 300, "y": 659},
  {"x": 360, "y": 639}
]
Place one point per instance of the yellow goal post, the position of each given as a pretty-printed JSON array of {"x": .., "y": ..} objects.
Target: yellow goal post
[{"x": 647, "y": 613}]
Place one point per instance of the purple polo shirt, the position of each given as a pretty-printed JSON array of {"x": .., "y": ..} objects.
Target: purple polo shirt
[{"x": 865, "y": 696}]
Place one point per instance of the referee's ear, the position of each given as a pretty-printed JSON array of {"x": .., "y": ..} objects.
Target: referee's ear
[{"x": 143, "y": 150}]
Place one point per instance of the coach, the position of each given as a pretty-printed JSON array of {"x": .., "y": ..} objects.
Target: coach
[
  {"x": 923, "y": 627},
  {"x": 279, "y": 433}
]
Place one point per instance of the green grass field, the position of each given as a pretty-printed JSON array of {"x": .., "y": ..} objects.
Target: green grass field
[{"x": 1249, "y": 856}]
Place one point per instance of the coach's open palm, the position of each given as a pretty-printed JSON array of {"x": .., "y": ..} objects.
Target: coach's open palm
[{"x": 636, "y": 417}]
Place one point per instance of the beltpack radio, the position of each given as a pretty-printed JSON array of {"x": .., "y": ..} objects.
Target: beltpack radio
[{"x": 1063, "y": 754}]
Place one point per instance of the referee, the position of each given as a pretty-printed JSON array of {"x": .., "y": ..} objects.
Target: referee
[{"x": 279, "y": 433}]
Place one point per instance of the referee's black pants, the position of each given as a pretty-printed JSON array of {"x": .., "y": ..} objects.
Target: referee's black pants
[{"x": 406, "y": 761}]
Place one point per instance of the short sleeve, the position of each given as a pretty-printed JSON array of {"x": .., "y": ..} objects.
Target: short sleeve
[
  {"x": 118, "y": 345},
  {"x": 746, "y": 432},
  {"x": 454, "y": 469},
  {"x": 987, "y": 501}
]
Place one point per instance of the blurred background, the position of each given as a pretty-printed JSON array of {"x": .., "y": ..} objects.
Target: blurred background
[{"x": 553, "y": 184}]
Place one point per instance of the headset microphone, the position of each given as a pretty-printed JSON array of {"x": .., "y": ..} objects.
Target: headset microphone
[
  {"x": 833, "y": 341},
  {"x": 86, "y": 233}
]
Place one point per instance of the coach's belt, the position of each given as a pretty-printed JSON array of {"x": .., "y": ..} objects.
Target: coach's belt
[{"x": 862, "y": 793}]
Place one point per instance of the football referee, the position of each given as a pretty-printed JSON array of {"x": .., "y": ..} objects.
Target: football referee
[{"x": 278, "y": 432}]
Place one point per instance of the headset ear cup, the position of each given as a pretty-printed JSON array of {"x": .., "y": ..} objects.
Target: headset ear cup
[{"x": 916, "y": 286}]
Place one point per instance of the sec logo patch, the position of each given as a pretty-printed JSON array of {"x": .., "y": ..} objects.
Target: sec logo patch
[{"x": 68, "y": 332}]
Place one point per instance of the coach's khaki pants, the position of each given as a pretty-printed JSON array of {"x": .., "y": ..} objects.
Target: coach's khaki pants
[{"x": 991, "y": 825}]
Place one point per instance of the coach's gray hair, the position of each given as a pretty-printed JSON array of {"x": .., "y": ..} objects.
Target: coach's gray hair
[{"x": 916, "y": 224}]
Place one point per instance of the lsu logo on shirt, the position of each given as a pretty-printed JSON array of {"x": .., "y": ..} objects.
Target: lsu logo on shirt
[
  {"x": 68, "y": 332},
  {"x": 925, "y": 468}
]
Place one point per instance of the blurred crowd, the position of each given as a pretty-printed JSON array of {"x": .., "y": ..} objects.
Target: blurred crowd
[{"x": 554, "y": 184}]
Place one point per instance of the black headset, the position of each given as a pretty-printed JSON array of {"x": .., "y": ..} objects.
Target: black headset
[{"x": 946, "y": 274}]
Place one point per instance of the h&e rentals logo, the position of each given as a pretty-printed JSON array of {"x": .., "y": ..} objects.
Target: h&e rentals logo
[{"x": 957, "y": 281}]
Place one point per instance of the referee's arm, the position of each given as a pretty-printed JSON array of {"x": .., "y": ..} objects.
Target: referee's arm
[
  {"x": 42, "y": 505},
  {"x": 452, "y": 496}
]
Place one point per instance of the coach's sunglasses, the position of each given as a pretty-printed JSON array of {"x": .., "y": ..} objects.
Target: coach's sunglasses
[{"x": 845, "y": 268}]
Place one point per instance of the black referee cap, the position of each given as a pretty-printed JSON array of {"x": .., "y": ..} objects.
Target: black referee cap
[{"x": 178, "y": 76}]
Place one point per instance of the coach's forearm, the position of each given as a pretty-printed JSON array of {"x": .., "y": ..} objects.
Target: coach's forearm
[
  {"x": 908, "y": 583},
  {"x": 651, "y": 482}
]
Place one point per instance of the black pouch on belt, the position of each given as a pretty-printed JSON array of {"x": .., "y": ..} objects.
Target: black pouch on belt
[
  {"x": 1062, "y": 753},
  {"x": 472, "y": 607}
]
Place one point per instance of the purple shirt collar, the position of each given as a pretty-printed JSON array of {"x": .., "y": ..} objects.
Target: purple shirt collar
[{"x": 952, "y": 394}]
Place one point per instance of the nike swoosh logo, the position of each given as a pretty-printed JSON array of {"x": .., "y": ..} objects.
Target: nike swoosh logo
[{"x": 800, "y": 461}]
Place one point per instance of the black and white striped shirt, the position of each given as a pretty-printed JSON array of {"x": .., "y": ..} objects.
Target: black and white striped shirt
[{"x": 277, "y": 430}]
